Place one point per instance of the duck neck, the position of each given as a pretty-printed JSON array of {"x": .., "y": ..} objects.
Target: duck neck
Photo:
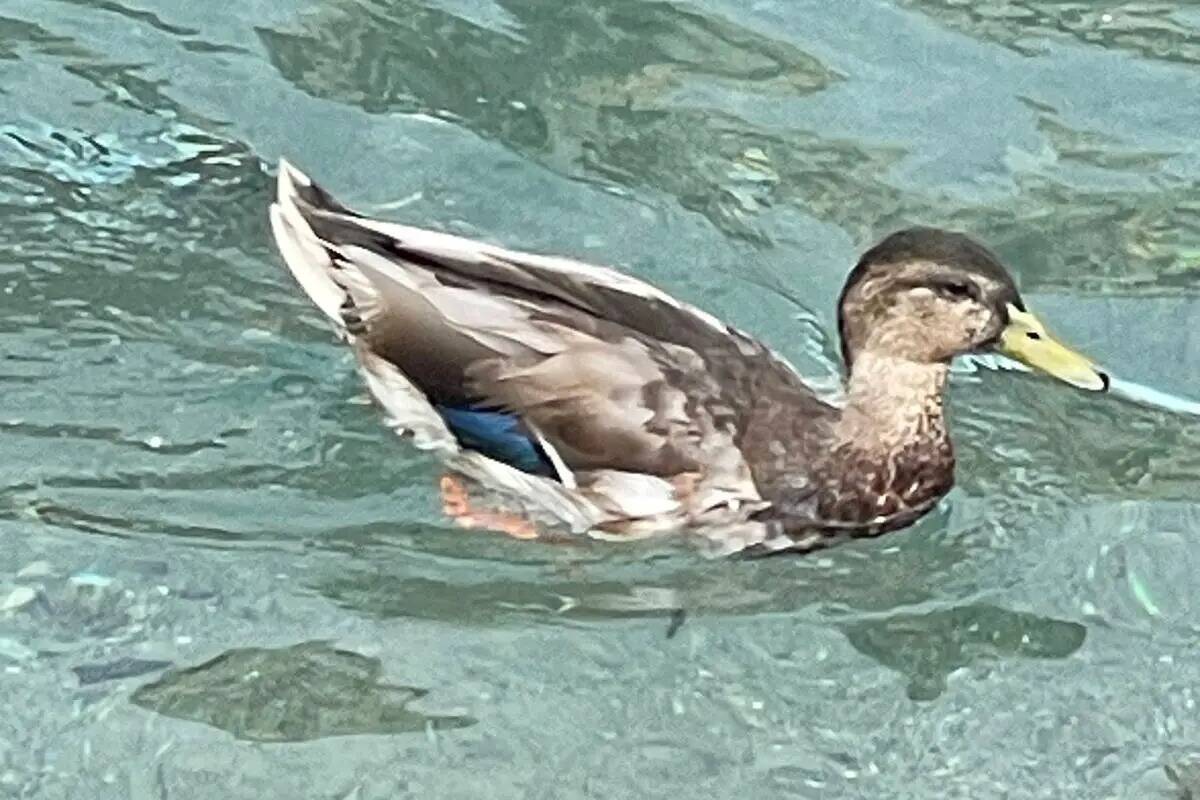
[{"x": 893, "y": 404}]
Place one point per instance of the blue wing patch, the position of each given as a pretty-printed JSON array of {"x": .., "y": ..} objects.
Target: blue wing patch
[{"x": 498, "y": 435}]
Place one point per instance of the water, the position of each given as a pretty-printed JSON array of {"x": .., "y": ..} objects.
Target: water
[{"x": 192, "y": 478}]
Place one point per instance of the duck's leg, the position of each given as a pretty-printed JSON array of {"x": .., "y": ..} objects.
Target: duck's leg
[{"x": 456, "y": 503}]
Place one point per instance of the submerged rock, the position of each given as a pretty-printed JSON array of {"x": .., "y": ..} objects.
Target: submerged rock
[{"x": 307, "y": 691}]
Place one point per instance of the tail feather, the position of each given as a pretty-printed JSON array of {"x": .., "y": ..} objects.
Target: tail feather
[{"x": 302, "y": 251}]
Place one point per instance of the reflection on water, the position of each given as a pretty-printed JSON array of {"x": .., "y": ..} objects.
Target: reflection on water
[
  {"x": 1151, "y": 30},
  {"x": 291, "y": 694},
  {"x": 594, "y": 582},
  {"x": 604, "y": 94},
  {"x": 587, "y": 88}
]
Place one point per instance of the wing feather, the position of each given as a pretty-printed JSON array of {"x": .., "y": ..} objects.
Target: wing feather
[{"x": 635, "y": 393}]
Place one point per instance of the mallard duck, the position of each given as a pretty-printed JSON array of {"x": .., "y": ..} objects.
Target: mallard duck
[{"x": 600, "y": 404}]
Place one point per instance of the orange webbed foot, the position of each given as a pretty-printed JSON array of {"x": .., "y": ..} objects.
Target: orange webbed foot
[{"x": 456, "y": 503}]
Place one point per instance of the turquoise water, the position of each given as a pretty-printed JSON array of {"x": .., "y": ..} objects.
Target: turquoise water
[{"x": 222, "y": 576}]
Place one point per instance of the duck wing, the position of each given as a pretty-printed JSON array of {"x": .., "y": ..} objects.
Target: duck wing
[{"x": 617, "y": 389}]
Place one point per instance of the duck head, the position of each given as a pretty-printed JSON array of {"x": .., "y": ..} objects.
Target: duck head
[{"x": 927, "y": 295}]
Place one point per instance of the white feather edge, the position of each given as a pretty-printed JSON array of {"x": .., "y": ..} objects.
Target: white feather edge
[
  {"x": 302, "y": 249},
  {"x": 564, "y": 473}
]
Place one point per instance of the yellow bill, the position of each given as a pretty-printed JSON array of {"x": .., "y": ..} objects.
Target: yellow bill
[{"x": 1026, "y": 340}]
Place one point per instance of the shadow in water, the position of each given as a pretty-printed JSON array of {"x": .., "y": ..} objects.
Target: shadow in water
[
  {"x": 927, "y": 648},
  {"x": 861, "y": 589},
  {"x": 307, "y": 691}
]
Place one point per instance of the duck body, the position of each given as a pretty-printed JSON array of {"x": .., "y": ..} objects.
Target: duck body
[{"x": 603, "y": 405}]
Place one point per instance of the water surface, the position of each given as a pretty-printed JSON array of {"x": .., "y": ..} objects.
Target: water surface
[{"x": 222, "y": 577}]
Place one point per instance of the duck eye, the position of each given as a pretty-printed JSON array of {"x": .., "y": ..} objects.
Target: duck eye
[{"x": 959, "y": 290}]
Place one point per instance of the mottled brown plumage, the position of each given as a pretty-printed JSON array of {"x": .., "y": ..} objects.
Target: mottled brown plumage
[{"x": 650, "y": 415}]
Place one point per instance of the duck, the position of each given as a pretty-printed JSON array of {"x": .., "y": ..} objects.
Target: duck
[{"x": 579, "y": 400}]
